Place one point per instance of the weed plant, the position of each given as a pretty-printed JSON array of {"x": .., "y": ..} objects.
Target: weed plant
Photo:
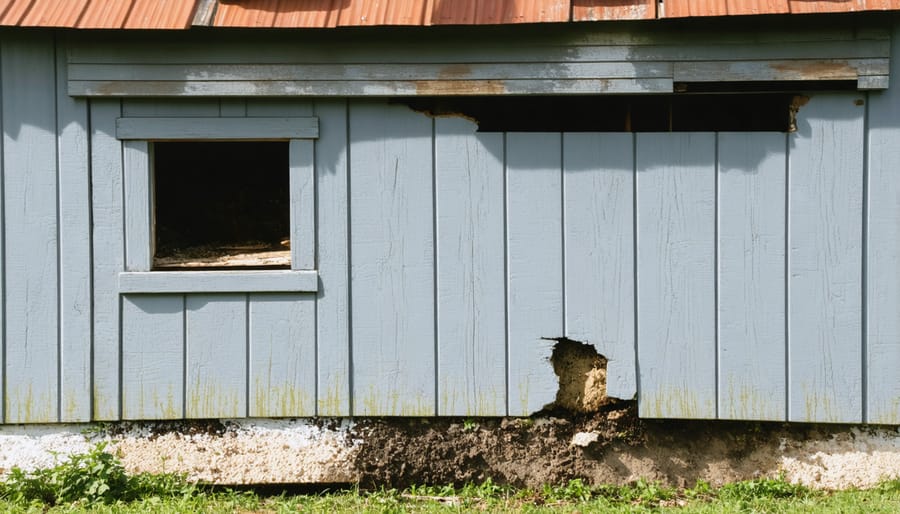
[{"x": 97, "y": 482}]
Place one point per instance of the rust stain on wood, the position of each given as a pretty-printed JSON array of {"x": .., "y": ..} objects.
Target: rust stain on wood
[
  {"x": 460, "y": 87},
  {"x": 817, "y": 69}
]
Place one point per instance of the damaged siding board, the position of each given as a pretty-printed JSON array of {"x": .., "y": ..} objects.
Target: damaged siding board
[
  {"x": 882, "y": 253},
  {"x": 825, "y": 261},
  {"x": 75, "y": 250},
  {"x": 392, "y": 264},
  {"x": 751, "y": 282},
  {"x": 153, "y": 356},
  {"x": 577, "y": 60},
  {"x": 534, "y": 267},
  {"x": 216, "y": 340},
  {"x": 676, "y": 267},
  {"x": 282, "y": 355},
  {"x": 108, "y": 253},
  {"x": 599, "y": 248},
  {"x": 774, "y": 70},
  {"x": 470, "y": 269},
  {"x": 333, "y": 262},
  {"x": 30, "y": 190}
]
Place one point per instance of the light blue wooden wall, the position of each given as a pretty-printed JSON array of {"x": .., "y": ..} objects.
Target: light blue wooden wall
[{"x": 730, "y": 275}]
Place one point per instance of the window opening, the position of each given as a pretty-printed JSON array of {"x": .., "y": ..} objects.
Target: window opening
[
  {"x": 701, "y": 112},
  {"x": 221, "y": 205}
]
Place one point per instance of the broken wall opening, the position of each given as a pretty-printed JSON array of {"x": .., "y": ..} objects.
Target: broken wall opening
[
  {"x": 221, "y": 205},
  {"x": 582, "y": 376},
  {"x": 705, "y": 111}
]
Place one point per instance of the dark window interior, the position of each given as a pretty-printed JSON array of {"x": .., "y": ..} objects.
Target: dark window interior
[
  {"x": 221, "y": 205},
  {"x": 708, "y": 111}
]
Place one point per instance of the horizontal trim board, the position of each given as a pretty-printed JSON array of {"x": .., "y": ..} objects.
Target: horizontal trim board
[
  {"x": 245, "y": 129},
  {"x": 261, "y": 281},
  {"x": 364, "y": 88},
  {"x": 388, "y": 71},
  {"x": 805, "y": 69}
]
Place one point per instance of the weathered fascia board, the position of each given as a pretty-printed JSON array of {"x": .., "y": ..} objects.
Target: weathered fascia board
[
  {"x": 626, "y": 57},
  {"x": 869, "y": 73},
  {"x": 243, "y": 129},
  {"x": 261, "y": 281},
  {"x": 366, "y": 88}
]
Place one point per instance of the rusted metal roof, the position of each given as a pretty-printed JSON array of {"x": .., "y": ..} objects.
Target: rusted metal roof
[
  {"x": 99, "y": 14},
  {"x": 181, "y": 14}
]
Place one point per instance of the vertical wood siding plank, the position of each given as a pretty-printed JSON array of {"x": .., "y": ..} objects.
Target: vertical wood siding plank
[
  {"x": 216, "y": 356},
  {"x": 751, "y": 288},
  {"x": 392, "y": 266},
  {"x": 108, "y": 252},
  {"x": 303, "y": 205},
  {"x": 534, "y": 257},
  {"x": 138, "y": 230},
  {"x": 332, "y": 246},
  {"x": 74, "y": 250},
  {"x": 675, "y": 273},
  {"x": 153, "y": 357},
  {"x": 825, "y": 235},
  {"x": 282, "y": 355},
  {"x": 470, "y": 270},
  {"x": 31, "y": 230},
  {"x": 882, "y": 263},
  {"x": 599, "y": 231}
]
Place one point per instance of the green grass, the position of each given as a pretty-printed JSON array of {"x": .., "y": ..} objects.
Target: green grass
[{"x": 96, "y": 482}]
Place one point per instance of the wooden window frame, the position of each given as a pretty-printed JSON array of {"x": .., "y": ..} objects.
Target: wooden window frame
[{"x": 137, "y": 136}]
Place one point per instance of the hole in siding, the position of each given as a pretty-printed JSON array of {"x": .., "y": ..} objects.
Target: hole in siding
[
  {"x": 702, "y": 112},
  {"x": 221, "y": 205},
  {"x": 582, "y": 376}
]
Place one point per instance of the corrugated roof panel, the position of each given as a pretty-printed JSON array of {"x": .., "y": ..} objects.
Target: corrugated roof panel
[
  {"x": 251, "y": 13},
  {"x": 821, "y": 6},
  {"x": 382, "y": 12},
  {"x": 54, "y": 14},
  {"x": 105, "y": 15},
  {"x": 15, "y": 12},
  {"x": 599, "y": 10},
  {"x": 160, "y": 14},
  {"x": 311, "y": 13},
  {"x": 758, "y": 7}
]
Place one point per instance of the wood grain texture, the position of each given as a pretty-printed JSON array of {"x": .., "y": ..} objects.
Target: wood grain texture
[
  {"x": 392, "y": 264},
  {"x": 676, "y": 275},
  {"x": 599, "y": 249},
  {"x": 302, "y": 205},
  {"x": 825, "y": 261},
  {"x": 153, "y": 342},
  {"x": 361, "y": 88},
  {"x": 471, "y": 300},
  {"x": 109, "y": 255},
  {"x": 534, "y": 267},
  {"x": 882, "y": 264},
  {"x": 333, "y": 261},
  {"x": 75, "y": 306},
  {"x": 161, "y": 108},
  {"x": 282, "y": 355},
  {"x": 31, "y": 229},
  {"x": 750, "y": 275},
  {"x": 244, "y": 129},
  {"x": 139, "y": 240},
  {"x": 216, "y": 334}
]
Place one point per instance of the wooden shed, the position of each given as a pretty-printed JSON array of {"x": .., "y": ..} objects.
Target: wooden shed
[{"x": 226, "y": 209}]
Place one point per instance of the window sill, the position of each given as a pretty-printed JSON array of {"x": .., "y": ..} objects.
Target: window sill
[{"x": 261, "y": 281}]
